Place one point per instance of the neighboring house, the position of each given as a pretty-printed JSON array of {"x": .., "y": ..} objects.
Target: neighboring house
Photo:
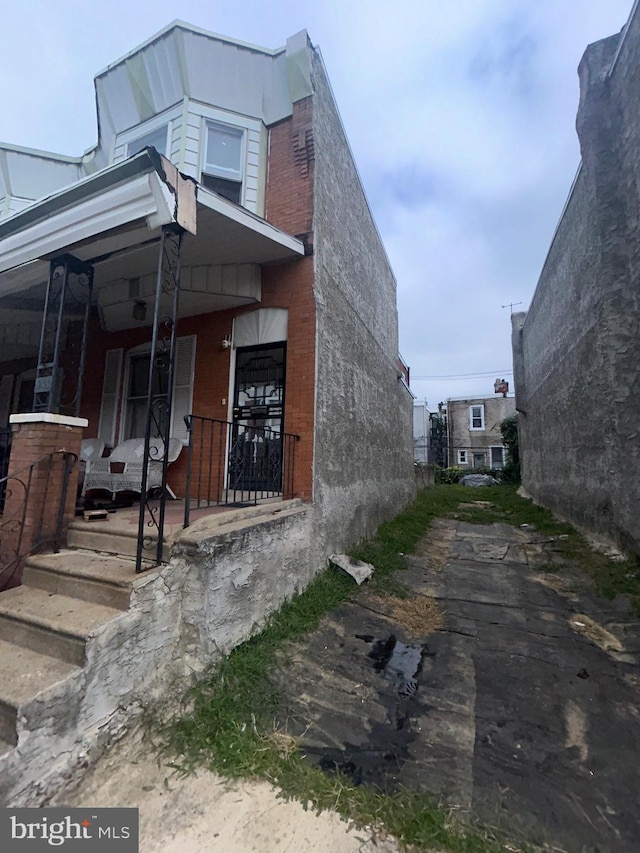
[
  {"x": 421, "y": 428},
  {"x": 215, "y": 257},
  {"x": 577, "y": 350},
  {"x": 474, "y": 437}
]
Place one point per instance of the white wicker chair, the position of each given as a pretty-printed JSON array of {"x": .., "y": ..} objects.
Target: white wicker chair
[
  {"x": 126, "y": 474},
  {"x": 91, "y": 451}
]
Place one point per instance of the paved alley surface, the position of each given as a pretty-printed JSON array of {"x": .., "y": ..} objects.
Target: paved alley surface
[{"x": 501, "y": 688}]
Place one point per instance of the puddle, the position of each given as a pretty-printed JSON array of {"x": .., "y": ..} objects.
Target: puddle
[
  {"x": 379, "y": 758},
  {"x": 399, "y": 664}
]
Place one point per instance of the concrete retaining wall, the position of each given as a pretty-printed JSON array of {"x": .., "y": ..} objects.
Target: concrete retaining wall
[{"x": 223, "y": 582}]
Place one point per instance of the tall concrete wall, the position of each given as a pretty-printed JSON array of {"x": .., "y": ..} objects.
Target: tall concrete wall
[
  {"x": 577, "y": 350},
  {"x": 363, "y": 462}
]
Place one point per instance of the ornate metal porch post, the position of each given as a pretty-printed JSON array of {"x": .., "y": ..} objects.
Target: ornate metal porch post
[
  {"x": 68, "y": 295},
  {"x": 159, "y": 402}
]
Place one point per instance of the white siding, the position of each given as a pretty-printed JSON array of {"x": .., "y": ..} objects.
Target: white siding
[
  {"x": 252, "y": 170},
  {"x": 252, "y": 167}
]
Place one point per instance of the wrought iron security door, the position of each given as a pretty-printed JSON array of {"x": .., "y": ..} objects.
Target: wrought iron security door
[{"x": 255, "y": 454}]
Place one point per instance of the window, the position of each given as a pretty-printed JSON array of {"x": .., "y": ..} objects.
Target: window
[
  {"x": 222, "y": 168},
  {"x": 136, "y": 400},
  {"x": 132, "y": 391},
  {"x": 476, "y": 417},
  {"x": 497, "y": 457},
  {"x": 462, "y": 457},
  {"x": 157, "y": 138}
]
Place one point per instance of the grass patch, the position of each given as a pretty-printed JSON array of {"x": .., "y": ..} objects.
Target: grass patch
[
  {"x": 229, "y": 723},
  {"x": 610, "y": 578}
]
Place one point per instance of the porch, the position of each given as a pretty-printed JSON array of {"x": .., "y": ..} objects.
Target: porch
[{"x": 133, "y": 299}]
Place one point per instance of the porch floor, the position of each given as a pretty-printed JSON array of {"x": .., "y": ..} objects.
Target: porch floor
[{"x": 123, "y": 521}]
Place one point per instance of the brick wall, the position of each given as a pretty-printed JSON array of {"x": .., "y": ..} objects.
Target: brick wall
[
  {"x": 39, "y": 508},
  {"x": 283, "y": 286},
  {"x": 290, "y": 172}
]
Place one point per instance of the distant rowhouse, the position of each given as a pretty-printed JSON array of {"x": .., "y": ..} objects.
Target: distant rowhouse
[{"x": 474, "y": 437}]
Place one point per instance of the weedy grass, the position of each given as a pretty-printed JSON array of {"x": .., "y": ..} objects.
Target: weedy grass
[{"x": 228, "y": 721}]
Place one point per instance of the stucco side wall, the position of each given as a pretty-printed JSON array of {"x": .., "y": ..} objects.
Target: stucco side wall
[
  {"x": 363, "y": 462},
  {"x": 577, "y": 351}
]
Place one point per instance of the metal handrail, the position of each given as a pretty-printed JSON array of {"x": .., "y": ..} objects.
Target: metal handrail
[
  {"x": 236, "y": 463},
  {"x": 11, "y": 562}
]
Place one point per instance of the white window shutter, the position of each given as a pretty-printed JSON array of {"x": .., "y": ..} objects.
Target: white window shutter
[
  {"x": 110, "y": 390},
  {"x": 182, "y": 385},
  {"x": 6, "y": 388}
]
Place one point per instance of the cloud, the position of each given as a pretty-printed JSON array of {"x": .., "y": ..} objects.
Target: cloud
[{"x": 460, "y": 115}]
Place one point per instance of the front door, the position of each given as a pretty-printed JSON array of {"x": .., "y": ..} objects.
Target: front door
[
  {"x": 478, "y": 460},
  {"x": 255, "y": 455}
]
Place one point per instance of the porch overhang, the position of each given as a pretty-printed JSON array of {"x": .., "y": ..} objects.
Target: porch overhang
[{"x": 114, "y": 218}]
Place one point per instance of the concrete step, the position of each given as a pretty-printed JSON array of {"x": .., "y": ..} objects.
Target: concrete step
[
  {"x": 104, "y": 537},
  {"x": 23, "y": 675},
  {"x": 50, "y": 624},
  {"x": 99, "y": 578}
]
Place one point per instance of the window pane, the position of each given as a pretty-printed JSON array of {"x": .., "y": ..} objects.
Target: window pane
[
  {"x": 157, "y": 138},
  {"x": 227, "y": 189},
  {"x": 224, "y": 149},
  {"x": 476, "y": 417},
  {"x": 136, "y": 414}
]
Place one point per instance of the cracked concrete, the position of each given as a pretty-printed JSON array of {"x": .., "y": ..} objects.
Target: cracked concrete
[{"x": 524, "y": 705}]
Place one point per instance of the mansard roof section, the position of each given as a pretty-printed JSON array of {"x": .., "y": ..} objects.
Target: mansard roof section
[
  {"x": 183, "y": 61},
  {"x": 27, "y": 174}
]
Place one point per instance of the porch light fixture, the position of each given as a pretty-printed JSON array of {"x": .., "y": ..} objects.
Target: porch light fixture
[
  {"x": 139, "y": 310},
  {"x": 226, "y": 342}
]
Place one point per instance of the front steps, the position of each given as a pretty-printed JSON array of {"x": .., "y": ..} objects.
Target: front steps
[
  {"x": 86, "y": 643},
  {"x": 47, "y": 623},
  {"x": 109, "y": 537}
]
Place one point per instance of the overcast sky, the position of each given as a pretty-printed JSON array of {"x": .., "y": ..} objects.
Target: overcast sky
[{"x": 460, "y": 114}]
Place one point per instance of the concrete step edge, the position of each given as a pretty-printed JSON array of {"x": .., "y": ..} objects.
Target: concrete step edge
[
  {"x": 45, "y": 675},
  {"x": 52, "y": 624},
  {"x": 42, "y": 562}
]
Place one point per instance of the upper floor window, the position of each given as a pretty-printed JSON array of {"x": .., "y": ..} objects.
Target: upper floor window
[
  {"x": 157, "y": 138},
  {"x": 222, "y": 167},
  {"x": 476, "y": 417}
]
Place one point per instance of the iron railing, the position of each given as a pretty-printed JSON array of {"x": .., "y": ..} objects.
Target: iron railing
[
  {"x": 235, "y": 463},
  {"x": 23, "y": 504}
]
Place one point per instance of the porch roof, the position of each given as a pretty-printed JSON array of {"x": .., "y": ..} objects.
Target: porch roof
[{"x": 120, "y": 212}]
